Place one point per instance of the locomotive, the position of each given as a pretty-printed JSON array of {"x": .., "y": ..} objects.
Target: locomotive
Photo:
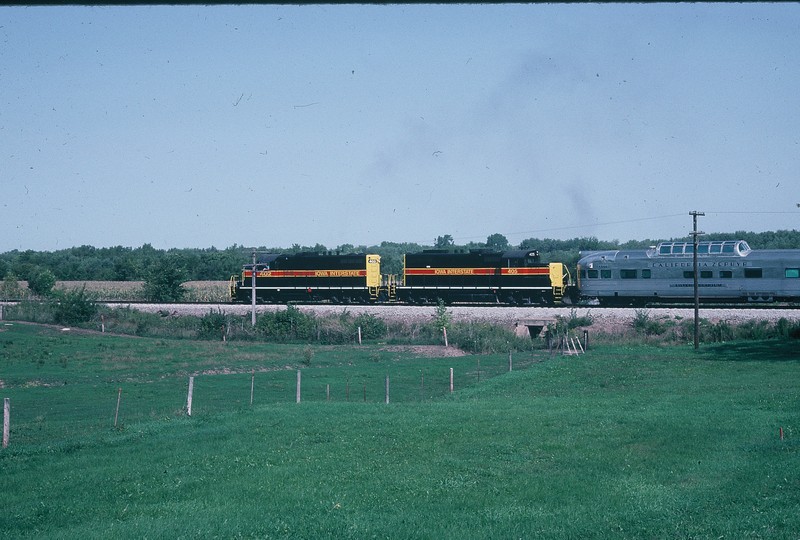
[
  {"x": 515, "y": 277},
  {"x": 729, "y": 271}
]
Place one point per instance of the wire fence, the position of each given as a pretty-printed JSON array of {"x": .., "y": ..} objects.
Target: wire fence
[{"x": 56, "y": 413}]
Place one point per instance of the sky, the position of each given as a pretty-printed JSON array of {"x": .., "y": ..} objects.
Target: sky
[{"x": 273, "y": 125}]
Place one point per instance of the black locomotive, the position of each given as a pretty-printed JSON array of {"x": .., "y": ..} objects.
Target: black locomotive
[{"x": 509, "y": 277}]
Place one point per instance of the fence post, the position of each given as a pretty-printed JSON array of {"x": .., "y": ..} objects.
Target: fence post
[
  {"x": 444, "y": 331},
  {"x": 387, "y": 389},
  {"x": 189, "y": 397},
  {"x": 6, "y": 420},
  {"x": 510, "y": 362},
  {"x": 328, "y": 392},
  {"x": 252, "y": 386},
  {"x": 451, "y": 380},
  {"x": 585, "y": 340},
  {"x": 359, "y": 335},
  {"x": 119, "y": 398},
  {"x": 298, "y": 386}
]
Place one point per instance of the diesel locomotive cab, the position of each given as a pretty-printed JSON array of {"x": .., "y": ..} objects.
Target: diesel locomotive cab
[
  {"x": 510, "y": 277},
  {"x": 311, "y": 277}
]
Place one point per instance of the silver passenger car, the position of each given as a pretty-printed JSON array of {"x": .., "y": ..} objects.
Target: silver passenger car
[{"x": 729, "y": 271}]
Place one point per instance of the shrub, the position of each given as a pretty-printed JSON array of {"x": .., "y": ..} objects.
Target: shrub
[
  {"x": 72, "y": 307},
  {"x": 755, "y": 330},
  {"x": 486, "y": 338},
  {"x": 212, "y": 325},
  {"x": 578, "y": 322},
  {"x": 371, "y": 326},
  {"x": 10, "y": 289},
  {"x": 644, "y": 324},
  {"x": 722, "y": 331},
  {"x": 290, "y": 324},
  {"x": 41, "y": 281}
]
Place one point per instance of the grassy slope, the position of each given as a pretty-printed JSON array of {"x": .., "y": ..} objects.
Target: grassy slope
[{"x": 640, "y": 442}]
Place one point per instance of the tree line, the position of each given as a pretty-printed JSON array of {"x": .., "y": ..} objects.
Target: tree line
[{"x": 87, "y": 263}]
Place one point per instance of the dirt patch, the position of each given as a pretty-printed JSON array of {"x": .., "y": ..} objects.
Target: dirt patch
[{"x": 426, "y": 351}]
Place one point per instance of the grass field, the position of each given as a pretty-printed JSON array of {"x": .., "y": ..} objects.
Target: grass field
[{"x": 623, "y": 442}]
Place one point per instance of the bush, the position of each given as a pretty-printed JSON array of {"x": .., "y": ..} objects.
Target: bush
[
  {"x": 371, "y": 326},
  {"x": 10, "y": 289},
  {"x": 578, "y": 322},
  {"x": 290, "y": 324},
  {"x": 41, "y": 281},
  {"x": 486, "y": 338},
  {"x": 72, "y": 307},
  {"x": 213, "y": 325},
  {"x": 646, "y": 325}
]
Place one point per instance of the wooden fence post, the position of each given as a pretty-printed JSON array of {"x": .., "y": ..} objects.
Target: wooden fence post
[
  {"x": 189, "y": 397},
  {"x": 510, "y": 362},
  {"x": 444, "y": 331},
  {"x": 252, "y": 386},
  {"x": 6, "y": 420},
  {"x": 359, "y": 335},
  {"x": 451, "y": 380},
  {"x": 119, "y": 398},
  {"x": 298, "y": 386},
  {"x": 387, "y": 389}
]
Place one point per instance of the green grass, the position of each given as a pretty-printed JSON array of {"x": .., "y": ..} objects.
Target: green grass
[{"x": 624, "y": 442}]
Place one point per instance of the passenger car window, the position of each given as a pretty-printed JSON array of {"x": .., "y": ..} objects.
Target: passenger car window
[
  {"x": 627, "y": 274},
  {"x": 752, "y": 272},
  {"x": 646, "y": 273},
  {"x": 605, "y": 274},
  {"x": 593, "y": 274},
  {"x": 725, "y": 274},
  {"x": 793, "y": 272}
]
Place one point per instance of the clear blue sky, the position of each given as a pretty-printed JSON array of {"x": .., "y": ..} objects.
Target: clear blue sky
[{"x": 202, "y": 126}]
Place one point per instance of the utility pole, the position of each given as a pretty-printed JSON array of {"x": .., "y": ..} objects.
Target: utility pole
[
  {"x": 253, "y": 288},
  {"x": 695, "y": 234}
]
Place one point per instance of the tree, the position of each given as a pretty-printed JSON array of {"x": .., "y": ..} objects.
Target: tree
[
  {"x": 164, "y": 281},
  {"x": 497, "y": 242},
  {"x": 10, "y": 289},
  {"x": 445, "y": 241},
  {"x": 41, "y": 281}
]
